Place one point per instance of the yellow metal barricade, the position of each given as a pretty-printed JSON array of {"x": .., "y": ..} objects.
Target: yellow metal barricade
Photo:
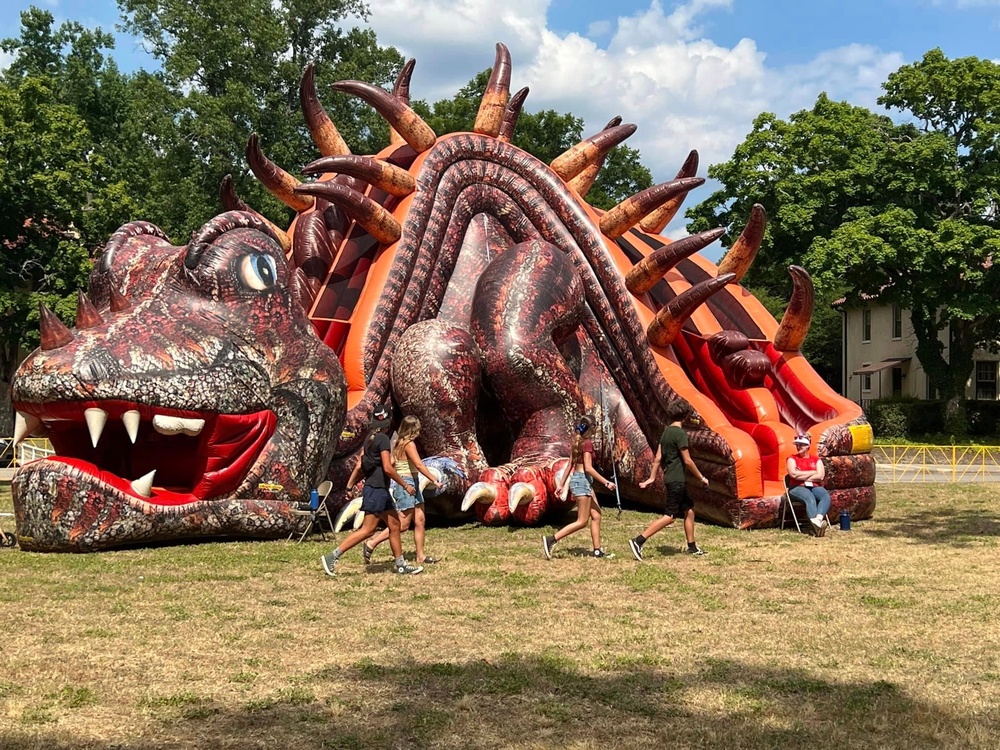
[{"x": 937, "y": 463}]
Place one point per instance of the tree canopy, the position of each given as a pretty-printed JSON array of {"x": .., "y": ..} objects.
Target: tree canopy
[{"x": 905, "y": 212}]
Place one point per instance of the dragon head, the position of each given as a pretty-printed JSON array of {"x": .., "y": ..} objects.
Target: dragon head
[{"x": 191, "y": 399}]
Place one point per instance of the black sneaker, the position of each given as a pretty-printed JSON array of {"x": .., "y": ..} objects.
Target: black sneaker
[
  {"x": 548, "y": 542},
  {"x": 600, "y": 553},
  {"x": 329, "y": 564},
  {"x": 636, "y": 549},
  {"x": 407, "y": 569},
  {"x": 696, "y": 550}
]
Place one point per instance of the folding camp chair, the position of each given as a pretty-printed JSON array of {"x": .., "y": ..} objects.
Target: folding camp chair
[
  {"x": 319, "y": 514},
  {"x": 787, "y": 504},
  {"x": 7, "y": 539}
]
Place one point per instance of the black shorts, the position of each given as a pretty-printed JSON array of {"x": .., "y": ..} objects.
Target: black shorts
[
  {"x": 376, "y": 500},
  {"x": 677, "y": 502}
]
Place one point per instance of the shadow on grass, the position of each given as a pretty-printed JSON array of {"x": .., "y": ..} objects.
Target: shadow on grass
[
  {"x": 958, "y": 528},
  {"x": 547, "y": 702}
]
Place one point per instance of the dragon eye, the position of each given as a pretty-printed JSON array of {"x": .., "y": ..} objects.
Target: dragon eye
[{"x": 258, "y": 272}]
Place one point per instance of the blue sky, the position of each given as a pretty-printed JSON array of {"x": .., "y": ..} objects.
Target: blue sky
[{"x": 689, "y": 74}]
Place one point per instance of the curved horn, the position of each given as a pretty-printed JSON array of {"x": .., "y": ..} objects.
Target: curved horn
[
  {"x": 404, "y": 120},
  {"x": 232, "y": 202},
  {"x": 574, "y": 160},
  {"x": 218, "y": 226},
  {"x": 123, "y": 233},
  {"x": 672, "y": 316},
  {"x": 510, "y": 115},
  {"x": 378, "y": 222},
  {"x": 489, "y": 119},
  {"x": 744, "y": 250},
  {"x": 324, "y": 133},
  {"x": 798, "y": 315},
  {"x": 300, "y": 291},
  {"x": 381, "y": 174},
  {"x": 644, "y": 275},
  {"x": 658, "y": 219},
  {"x": 86, "y": 314},
  {"x": 622, "y": 217},
  {"x": 401, "y": 90},
  {"x": 54, "y": 333},
  {"x": 278, "y": 182},
  {"x": 119, "y": 302},
  {"x": 582, "y": 183}
]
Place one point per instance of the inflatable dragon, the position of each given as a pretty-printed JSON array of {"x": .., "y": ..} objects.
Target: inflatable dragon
[{"x": 206, "y": 388}]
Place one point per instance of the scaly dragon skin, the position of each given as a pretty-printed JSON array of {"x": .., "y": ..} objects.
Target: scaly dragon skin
[{"x": 458, "y": 278}]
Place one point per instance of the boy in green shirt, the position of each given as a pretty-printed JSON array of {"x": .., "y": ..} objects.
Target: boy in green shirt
[{"x": 673, "y": 455}]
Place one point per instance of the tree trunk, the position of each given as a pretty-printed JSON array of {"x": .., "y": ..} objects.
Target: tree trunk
[{"x": 948, "y": 376}]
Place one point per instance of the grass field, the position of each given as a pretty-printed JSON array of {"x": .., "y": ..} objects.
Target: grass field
[{"x": 884, "y": 637}]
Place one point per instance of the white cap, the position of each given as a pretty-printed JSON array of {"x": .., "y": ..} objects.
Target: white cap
[{"x": 802, "y": 440}]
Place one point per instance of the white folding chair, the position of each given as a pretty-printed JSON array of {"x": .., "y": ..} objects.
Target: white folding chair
[
  {"x": 318, "y": 515},
  {"x": 787, "y": 504}
]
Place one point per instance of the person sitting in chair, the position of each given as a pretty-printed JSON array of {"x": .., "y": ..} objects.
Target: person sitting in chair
[{"x": 805, "y": 482}]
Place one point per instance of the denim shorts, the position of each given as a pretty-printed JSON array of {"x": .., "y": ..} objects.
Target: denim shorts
[
  {"x": 403, "y": 499},
  {"x": 375, "y": 500},
  {"x": 579, "y": 484}
]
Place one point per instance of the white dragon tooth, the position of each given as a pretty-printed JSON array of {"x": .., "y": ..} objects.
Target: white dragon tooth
[
  {"x": 131, "y": 420},
  {"x": 166, "y": 425},
  {"x": 24, "y": 425},
  {"x": 144, "y": 485},
  {"x": 96, "y": 419}
]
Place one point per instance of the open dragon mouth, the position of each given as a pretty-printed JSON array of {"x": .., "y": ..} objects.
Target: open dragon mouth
[{"x": 162, "y": 456}]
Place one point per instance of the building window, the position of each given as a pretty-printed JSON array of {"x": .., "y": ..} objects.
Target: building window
[
  {"x": 866, "y": 381},
  {"x": 986, "y": 381},
  {"x": 866, "y": 325},
  {"x": 897, "y": 322}
]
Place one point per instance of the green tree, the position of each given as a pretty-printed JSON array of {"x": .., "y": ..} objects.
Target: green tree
[
  {"x": 59, "y": 194},
  {"x": 545, "y": 135},
  {"x": 230, "y": 68}
]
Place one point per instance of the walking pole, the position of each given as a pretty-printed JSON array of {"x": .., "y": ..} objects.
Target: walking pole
[{"x": 609, "y": 437}]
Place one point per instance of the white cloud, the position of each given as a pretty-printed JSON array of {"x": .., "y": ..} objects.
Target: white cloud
[{"x": 659, "y": 69}]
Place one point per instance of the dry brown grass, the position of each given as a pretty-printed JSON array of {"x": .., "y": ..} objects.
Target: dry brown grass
[{"x": 885, "y": 637}]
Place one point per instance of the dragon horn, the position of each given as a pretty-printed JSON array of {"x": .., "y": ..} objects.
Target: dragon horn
[
  {"x": 54, "y": 333},
  {"x": 658, "y": 219},
  {"x": 671, "y": 317},
  {"x": 644, "y": 275},
  {"x": 489, "y": 119},
  {"x": 622, "y": 217},
  {"x": 232, "y": 202},
  {"x": 119, "y": 302},
  {"x": 378, "y": 222},
  {"x": 301, "y": 293},
  {"x": 324, "y": 133},
  {"x": 401, "y": 90},
  {"x": 390, "y": 178},
  {"x": 795, "y": 322},
  {"x": 406, "y": 122},
  {"x": 280, "y": 184},
  {"x": 582, "y": 183},
  {"x": 86, "y": 314},
  {"x": 744, "y": 250},
  {"x": 575, "y": 159},
  {"x": 510, "y": 115}
]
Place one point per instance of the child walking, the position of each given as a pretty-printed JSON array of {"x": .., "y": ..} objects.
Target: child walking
[
  {"x": 674, "y": 457},
  {"x": 409, "y": 506},
  {"x": 578, "y": 476},
  {"x": 375, "y": 465}
]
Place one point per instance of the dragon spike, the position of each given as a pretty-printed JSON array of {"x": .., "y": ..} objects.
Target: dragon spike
[
  {"x": 744, "y": 250},
  {"x": 574, "y": 160},
  {"x": 798, "y": 315},
  {"x": 119, "y": 302},
  {"x": 622, "y": 217},
  {"x": 324, "y": 133},
  {"x": 280, "y": 184},
  {"x": 672, "y": 316},
  {"x": 582, "y": 183},
  {"x": 232, "y": 202},
  {"x": 378, "y": 222},
  {"x": 54, "y": 333},
  {"x": 648, "y": 271},
  {"x": 300, "y": 290},
  {"x": 510, "y": 115},
  {"x": 381, "y": 174},
  {"x": 86, "y": 314},
  {"x": 401, "y": 90},
  {"x": 489, "y": 120},
  {"x": 404, "y": 120},
  {"x": 658, "y": 219}
]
